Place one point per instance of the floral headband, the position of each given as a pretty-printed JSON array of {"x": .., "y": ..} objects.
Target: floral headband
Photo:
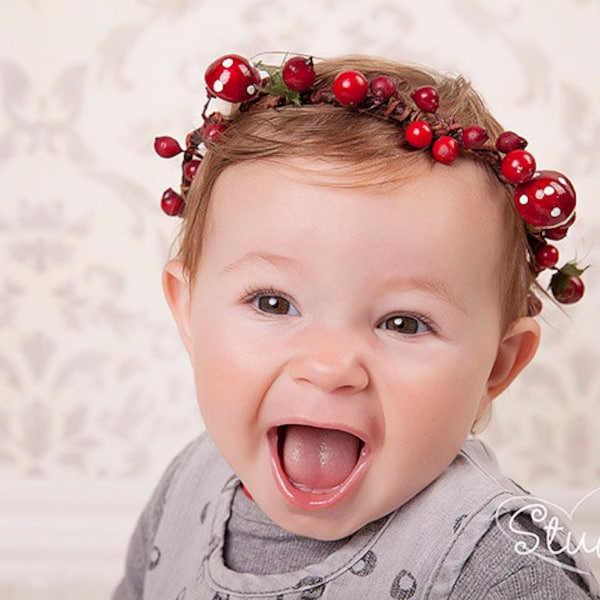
[{"x": 544, "y": 199}]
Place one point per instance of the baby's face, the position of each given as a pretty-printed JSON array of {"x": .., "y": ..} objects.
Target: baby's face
[{"x": 343, "y": 340}]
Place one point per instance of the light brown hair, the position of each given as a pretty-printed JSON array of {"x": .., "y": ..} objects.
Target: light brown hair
[{"x": 369, "y": 149}]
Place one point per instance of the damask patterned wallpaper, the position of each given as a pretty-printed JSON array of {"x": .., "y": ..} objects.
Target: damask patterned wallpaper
[{"x": 94, "y": 385}]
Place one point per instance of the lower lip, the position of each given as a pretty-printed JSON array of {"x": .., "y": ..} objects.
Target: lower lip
[{"x": 313, "y": 500}]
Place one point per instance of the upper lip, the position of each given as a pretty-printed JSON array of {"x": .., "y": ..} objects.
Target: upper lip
[{"x": 361, "y": 435}]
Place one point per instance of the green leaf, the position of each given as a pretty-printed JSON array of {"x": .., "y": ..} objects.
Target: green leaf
[
  {"x": 276, "y": 86},
  {"x": 572, "y": 270},
  {"x": 560, "y": 279}
]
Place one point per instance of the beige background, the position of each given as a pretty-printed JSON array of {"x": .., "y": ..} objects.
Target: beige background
[{"x": 95, "y": 391}]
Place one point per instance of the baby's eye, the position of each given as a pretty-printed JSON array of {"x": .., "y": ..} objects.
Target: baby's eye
[
  {"x": 273, "y": 304},
  {"x": 405, "y": 324}
]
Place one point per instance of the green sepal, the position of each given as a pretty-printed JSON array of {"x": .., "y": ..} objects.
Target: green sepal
[
  {"x": 561, "y": 277},
  {"x": 276, "y": 86}
]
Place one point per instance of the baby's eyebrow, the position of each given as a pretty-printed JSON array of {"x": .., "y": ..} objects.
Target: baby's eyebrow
[
  {"x": 277, "y": 260},
  {"x": 434, "y": 286}
]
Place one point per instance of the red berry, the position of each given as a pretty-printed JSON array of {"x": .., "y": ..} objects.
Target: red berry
[
  {"x": 445, "y": 149},
  {"x": 546, "y": 256},
  {"x": 383, "y": 87},
  {"x": 518, "y": 166},
  {"x": 172, "y": 203},
  {"x": 419, "y": 134},
  {"x": 167, "y": 147},
  {"x": 212, "y": 132},
  {"x": 190, "y": 169},
  {"x": 545, "y": 202},
  {"x": 567, "y": 290},
  {"x": 232, "y": 78},
  {"x": 508, "y": 141},
  {"x": 474, "y": 137},
  {"x": 426, "y": 98},
  {"x": 298, "y": 73},
  {"x": 350, "y": 87},
  {"x": 556, "y": 233}
]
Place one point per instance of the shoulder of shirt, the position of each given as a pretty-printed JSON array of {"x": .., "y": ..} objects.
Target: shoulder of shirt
[
  {"x": 198, "y": 446},
  {"x": 155, "y": 506},
  {"x": 496, "y": 570},
  {"x": 141, "y": 542}
]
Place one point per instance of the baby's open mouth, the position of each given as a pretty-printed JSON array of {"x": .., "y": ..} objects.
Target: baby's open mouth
[{"x": 315, "y": 459}]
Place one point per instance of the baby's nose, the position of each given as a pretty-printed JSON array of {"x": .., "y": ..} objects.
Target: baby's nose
[{"x": 331, "y": 361}]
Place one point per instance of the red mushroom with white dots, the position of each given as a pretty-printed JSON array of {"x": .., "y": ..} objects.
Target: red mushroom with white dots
[
  {"x": 547, "y": 200},
  {"x": 232, "y": 78}
]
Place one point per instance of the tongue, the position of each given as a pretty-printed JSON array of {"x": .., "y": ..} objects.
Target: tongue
[{"x": 318, "y": 459}]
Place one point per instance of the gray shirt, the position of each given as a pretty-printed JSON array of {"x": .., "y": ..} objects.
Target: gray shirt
[{"x": 200, "y": 538}]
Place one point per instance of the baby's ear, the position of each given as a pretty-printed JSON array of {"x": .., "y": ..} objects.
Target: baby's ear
[
  {"x": 178, "y": 294},
  {"x": 517, "y": 348}
]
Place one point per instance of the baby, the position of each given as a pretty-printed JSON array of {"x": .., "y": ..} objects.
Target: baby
[{"x": 356, "y": 282}]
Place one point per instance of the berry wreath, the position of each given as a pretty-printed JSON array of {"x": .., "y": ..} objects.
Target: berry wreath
[{"x": 545, "y": 199}]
